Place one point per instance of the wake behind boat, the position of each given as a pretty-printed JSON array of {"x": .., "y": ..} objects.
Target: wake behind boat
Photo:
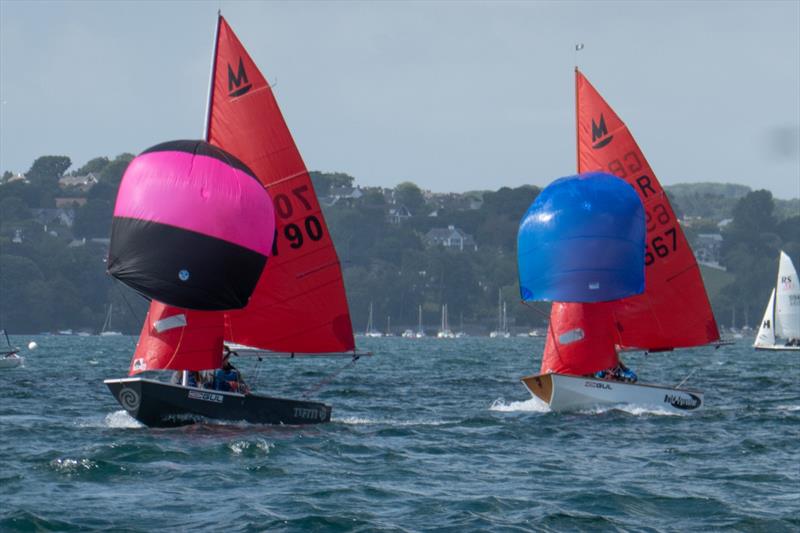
[
  {"x": 227, "y": 238},
  {"x": 576, "y": 249}
]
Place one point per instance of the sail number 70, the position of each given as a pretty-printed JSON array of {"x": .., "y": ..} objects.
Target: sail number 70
[
  {"x": 296, "y": 232},
  {"x": 661, "y": 245}
]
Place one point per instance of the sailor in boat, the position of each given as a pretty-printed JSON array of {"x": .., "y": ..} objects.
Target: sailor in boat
[
  {"x": 620, "y": 372},
  {"x": 228, "y": 378}
]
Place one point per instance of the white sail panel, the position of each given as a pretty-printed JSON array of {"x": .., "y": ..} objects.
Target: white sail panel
[
  {"x": 766, "y": 334},
  {"x": 787, "y": 300}
]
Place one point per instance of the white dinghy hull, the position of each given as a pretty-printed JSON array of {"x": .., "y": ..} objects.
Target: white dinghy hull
[
  {"x": 11, "y": 361},
  {"x": 778, "y": 348},
  {"x": 570, "y": 393}
]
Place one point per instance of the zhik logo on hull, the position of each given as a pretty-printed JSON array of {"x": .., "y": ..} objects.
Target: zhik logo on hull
[
  {"x": 598, "y": 132},
  {"x": 238, "y": 84}
]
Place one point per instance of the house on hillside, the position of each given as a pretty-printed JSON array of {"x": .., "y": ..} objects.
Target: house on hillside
[
  {"x": 348, "y": 195},
  {"x": 62, "y": 216},
  {"x": 398, "y": 214},
  {"x": 707, "y": 248},
  {"x": 451, "y": 238},
  {"x": 81, "y": 183},
  {"x": 17, "y": 177}
]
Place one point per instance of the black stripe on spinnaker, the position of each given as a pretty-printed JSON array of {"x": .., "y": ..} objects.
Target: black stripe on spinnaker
[
  {"x": 202, "y": 148},
  {"x": 152, "y": 258}
]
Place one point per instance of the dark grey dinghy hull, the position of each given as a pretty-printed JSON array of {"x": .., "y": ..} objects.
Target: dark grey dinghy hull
[{"x": 158, "y": 404}]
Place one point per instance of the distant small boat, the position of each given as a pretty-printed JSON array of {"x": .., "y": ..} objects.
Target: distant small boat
[
  {"x": 106, "y": 330},
  {"x": 9, "y": 356},
  {"x": 371, "y": 331},
  {"x": 445, "y": 332},
  {"x": 502, "y": 321},
  {"x": 782, "y": 316},
  {"x": 420, "y": 333}
]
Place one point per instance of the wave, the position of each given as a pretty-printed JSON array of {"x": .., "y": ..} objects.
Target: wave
[
  {"x": 121, "y": 419},
  {"x": 631, "y": 409},
  {"x": 72, "y": 466},
  {"x": 359, "y": 421},
  {"x": 531, "y": 405},
  {"x": 241, "y": 446},
  {"x": 788, "y": 408}
]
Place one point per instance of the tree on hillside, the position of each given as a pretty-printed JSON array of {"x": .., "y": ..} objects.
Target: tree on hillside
[
  {"x": 13, "y": 209},
  {"x": 409, "y": 195},
  {"x": 325, "y": 181},
  {"x": 113, "y": 171},
  {"x": 47, "y": 170},
  {"x": 752, "y": 216},
  {"x": 33, "y": 195},
  {"x": 94, "y": 166},
  {"x": 103, "y": 191},
  {"x": 93, "y": 219}
]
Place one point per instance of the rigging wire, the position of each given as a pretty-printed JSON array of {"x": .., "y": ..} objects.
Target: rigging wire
[
  {"x": 330, "y": 377},
  {"x": 134, "y": 314}
]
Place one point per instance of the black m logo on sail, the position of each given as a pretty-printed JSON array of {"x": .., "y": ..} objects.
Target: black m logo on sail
[
  {"x": 598, "y": 132},
  {"x": 238, "y": 83}
]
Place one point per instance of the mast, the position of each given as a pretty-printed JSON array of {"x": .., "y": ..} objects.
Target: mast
[
  {"x": 499, "y": 311},
  {"x": 211, "y": 78},
  {"x": 577, "y": 126}
]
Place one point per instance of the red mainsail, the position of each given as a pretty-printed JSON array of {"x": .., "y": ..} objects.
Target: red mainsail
[
  {"x": 673, "y": 311},
  {"x": 299, "y": 304}
]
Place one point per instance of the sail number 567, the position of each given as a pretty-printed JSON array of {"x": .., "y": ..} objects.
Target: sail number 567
[{"x": 662, "y": 245}]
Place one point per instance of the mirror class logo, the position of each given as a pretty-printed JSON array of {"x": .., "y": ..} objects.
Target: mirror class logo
[
  {"x": 600, "y": 131},
  {"x": 238, "y": 84}
]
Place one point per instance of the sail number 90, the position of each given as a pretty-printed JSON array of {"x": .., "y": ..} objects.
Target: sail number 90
[
  {"x": 298, "y": 231},
  {"x": 662, "y": 245}
]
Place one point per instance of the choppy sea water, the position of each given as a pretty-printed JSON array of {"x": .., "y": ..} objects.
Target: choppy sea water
[{"x": 427, "y": 435}]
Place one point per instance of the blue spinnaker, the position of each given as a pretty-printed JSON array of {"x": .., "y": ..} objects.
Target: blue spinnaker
[{"x": 582, "y": 240}]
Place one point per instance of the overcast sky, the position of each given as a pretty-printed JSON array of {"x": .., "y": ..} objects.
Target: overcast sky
[{"x": 453, "y": 96}]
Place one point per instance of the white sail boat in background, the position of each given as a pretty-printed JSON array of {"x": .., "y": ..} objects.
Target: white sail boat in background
[
  {"x": 388, "y": 327},
  {"x": 782, "y": 316},
  {"x": 502, "y": 324},
  {"x": 445, "y": 332},
  {"x": 106, "y": 330},
  {"x": 420, "y": 333},
  {"x": 9, "y": 355},
  {"x": 371, "y": 331}
]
